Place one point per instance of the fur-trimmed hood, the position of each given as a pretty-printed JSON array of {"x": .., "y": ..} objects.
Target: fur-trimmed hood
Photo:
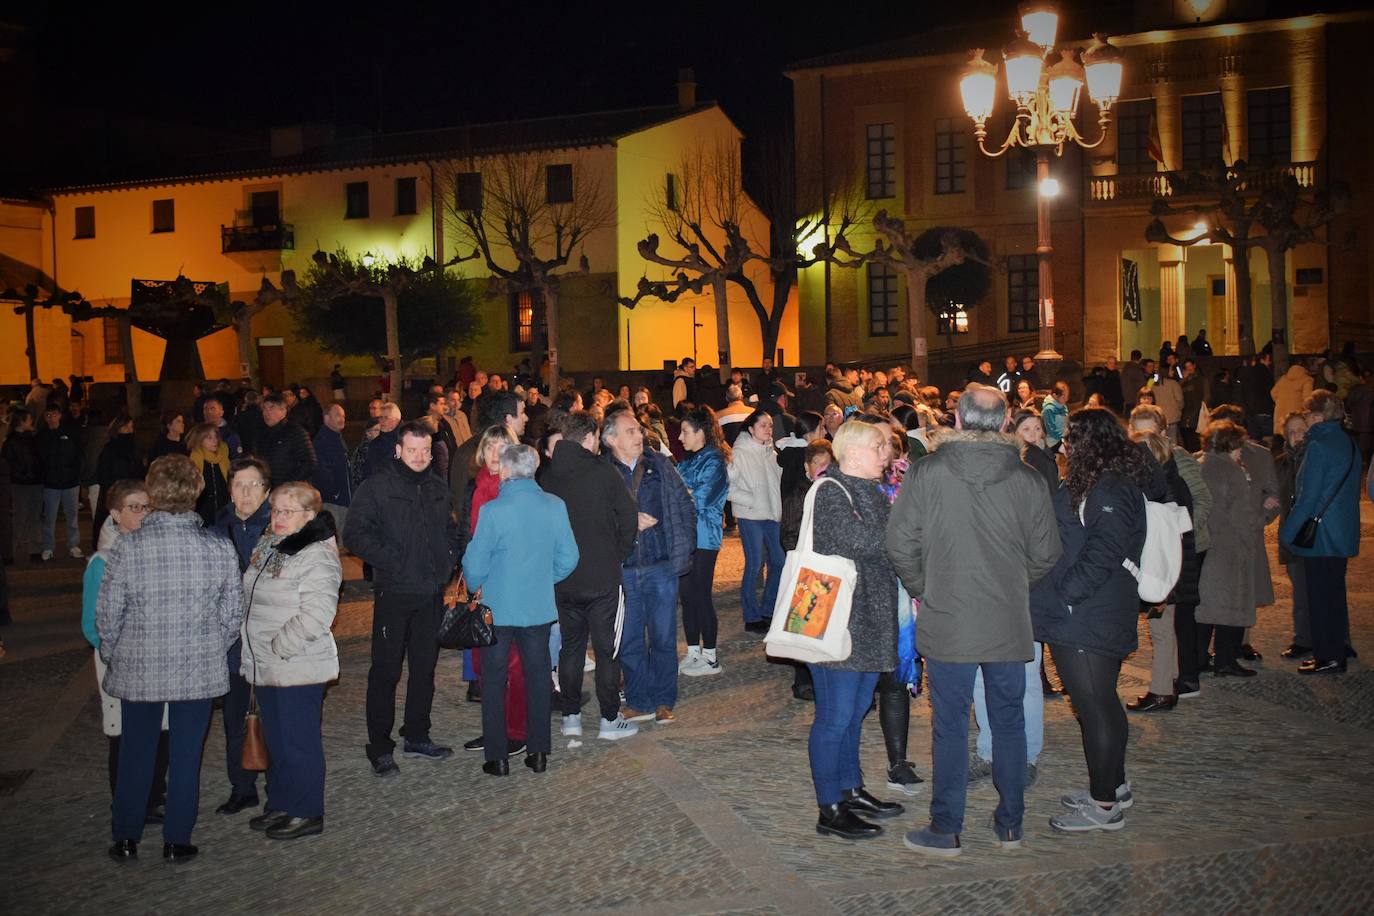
[{"x": 320, "y": 528}]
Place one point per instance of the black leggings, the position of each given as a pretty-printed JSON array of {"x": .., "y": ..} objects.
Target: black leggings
[
  {"x": 1090, "y": 681},
  {"x": 894, "y": 715},
  {"x": 1188, "y": 633},
  {"x": 1226, "y": 643},
  {"x": 698, "y": 610}
]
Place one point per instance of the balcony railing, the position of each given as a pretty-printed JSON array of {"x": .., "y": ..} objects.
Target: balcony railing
[
  {"x": 1106, "y": 188},
  {"x": 272, "y": 237}
]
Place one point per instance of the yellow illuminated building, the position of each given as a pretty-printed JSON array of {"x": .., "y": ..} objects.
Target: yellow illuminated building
[
  {"x": 1289, "y": 96},
  {"x": 258, "y": 213}
]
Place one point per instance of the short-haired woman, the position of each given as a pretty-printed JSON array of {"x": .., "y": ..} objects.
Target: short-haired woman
[
  {"x": 1092, "y": 626},
  {"x": 705, "y": 472},
  {"x": 211, "y": 456},
  {"x": 126, "y": 504},
  {"x": 170, "y": 606},
  {"x": 523, "y": 545},
  {"x": 289, "y": 654},
  {"x": 756, "y": 496},
  {"x": 168, "y": 442},
  {"x": 845, "y": 520},
  {"x": 1227, "y": 589},
  {"x": 119, "y": 460},
  {"x": 242, "y": 523}
]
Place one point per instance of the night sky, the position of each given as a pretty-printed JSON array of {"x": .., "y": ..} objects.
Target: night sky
[{"x": 92, "y": 91}]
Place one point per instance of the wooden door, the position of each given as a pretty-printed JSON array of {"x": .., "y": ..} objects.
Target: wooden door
[
  {"x": 1217, "y": 330},
  {"x": 272, "y": 364}
]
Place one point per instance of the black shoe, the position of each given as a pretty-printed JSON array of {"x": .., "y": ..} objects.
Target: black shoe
[
  {"x": 1151, "y": 702},
  {"x": 476, "y": 744},
  {"x": 385, "y": 766},
  {"x": 267, "y": 819},
  {"x": 1187, "y": 690},
  {"x": 179, "y": 852},
  {"x": 1317, "y": 666},
  {"x": 1351, "y": 653},
  {"x": 293, "y": 828},
  {"x": 496, "y": 768},
  {"x": 1250, "y": 654},
  {"x": 237, "y": 803},
  {"x": 838, "y": 820},
  {"x": 124, "y": 850},
  {"x": 1296, "y": 651},
  {"x": 538, "y": 762},
  {"x": 860, "y": 801},
  {"x": 155, "y": 814},
  {"x": 474, "y": 691},
  {"x": 806, "y": 693},
  {"x": 515, "y": 748},
  {"x": 1234, "y": 669},
  {"x": 758, "y": 626},
  {"x": 35, "y": 558}
]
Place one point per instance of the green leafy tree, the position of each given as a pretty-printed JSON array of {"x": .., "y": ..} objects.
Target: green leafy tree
[{"x": 344, "y": 307}]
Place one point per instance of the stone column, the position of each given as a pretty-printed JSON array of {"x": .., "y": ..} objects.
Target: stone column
[
  {"x": 1229, "y": 345},
  {"x": 1172, "y": 295}
]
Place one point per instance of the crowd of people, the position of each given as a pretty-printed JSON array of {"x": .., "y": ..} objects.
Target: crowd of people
[{"x": 586, "y": 519}]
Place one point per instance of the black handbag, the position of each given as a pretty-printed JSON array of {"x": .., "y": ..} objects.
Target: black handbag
[
  {"x": 467, "y": 625},
  {"x": 1306, "y": 538}
]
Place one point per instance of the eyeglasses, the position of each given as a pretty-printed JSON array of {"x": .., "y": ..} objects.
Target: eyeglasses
[
  {"x": 282, "y": 513},
  {"x": 246, "y": 485},
  {"x": 137, "y": 508}
]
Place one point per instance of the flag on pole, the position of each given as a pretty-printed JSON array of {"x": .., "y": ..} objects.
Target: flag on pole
[{"x": 1154, "y": 147}]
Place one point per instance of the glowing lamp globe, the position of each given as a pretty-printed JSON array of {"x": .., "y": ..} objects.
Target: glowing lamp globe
[
  {"x": 1024, "y": 61},
  {"x": 978, "y": 87},
  {"x": 1103, "y": 64},
  {"x": 1065, "y": 83},
  {"x": 1040, "y": 20}
]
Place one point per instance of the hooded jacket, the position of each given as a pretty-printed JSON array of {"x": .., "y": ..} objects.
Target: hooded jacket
[
  {"x": 972, "y": 530},
  {"x": 1290, "y": 394},
  {"x": 842, "y": 395},
  {"x": 707, "y": 478},
  {"x": 401, "y": 524},
  {"x": 293, "y": 598},
  {"x": 605, "y": 521}
]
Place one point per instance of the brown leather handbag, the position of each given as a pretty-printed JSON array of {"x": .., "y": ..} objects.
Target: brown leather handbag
[{"x": 254, "y": 756}]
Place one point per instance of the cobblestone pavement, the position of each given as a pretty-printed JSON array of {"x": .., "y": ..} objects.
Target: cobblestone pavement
[{"x": 1257, "y": 796}]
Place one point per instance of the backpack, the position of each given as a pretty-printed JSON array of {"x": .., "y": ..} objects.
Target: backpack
[{"x": 1161, "y": 559}]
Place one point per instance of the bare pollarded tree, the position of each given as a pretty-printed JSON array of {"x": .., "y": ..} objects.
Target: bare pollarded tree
[{"x": 525, "y": 216}]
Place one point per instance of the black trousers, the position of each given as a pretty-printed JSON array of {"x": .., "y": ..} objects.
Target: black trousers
[
  {"x": 405, "y": 629},
  {"x": 1327, "y": 606},
  {"x": 580, "y": 616},
  {"x": 158, "y": 794},
  {"x": 234, "y": 709},
  {"x": 1227, "y": 642},
  {"x": 1186, "y": 633},
  {"x": 894, "y": 715},
  {"x": 699, "y": 623},
  {"x": 533, "y": 646},
  {"x": 1090, "y": 681}
]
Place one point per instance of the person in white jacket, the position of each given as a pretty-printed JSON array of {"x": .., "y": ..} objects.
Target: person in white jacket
[
  {"x": 756, "y": 495},
  {"x": 289, "y": 654}
]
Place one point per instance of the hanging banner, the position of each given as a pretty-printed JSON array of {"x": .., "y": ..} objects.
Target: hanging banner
[{"x": 1130, "y": 290}]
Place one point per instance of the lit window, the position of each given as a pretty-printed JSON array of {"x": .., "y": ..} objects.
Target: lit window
[
  {"x": 882, "y": 301},
  {"x": 522, "y": 321},
  {"x": 882, "y": 161}
]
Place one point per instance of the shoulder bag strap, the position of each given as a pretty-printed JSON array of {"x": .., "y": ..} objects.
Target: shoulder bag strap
[
  {"x": 808, "y": 522},
  {"x": 1340, "y": 486}
]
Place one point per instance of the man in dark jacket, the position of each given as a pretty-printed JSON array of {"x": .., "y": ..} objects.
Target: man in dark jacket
[
  {"x": 284, "y": 445},
  {"x": 667, "y": 536},
  {"x": 247, "y": 422},
  {"x": 605, "y": 522},
  {"x": 60, "y": 452},
  {"x": 331, "y": 473},
  {"x": 26, "y": 485},
  {"x": 1255, "y": 383},
  {"x": 979, "y": 519},
  {"x": 399, "y": 522},
  {"x": 1133, "y": 378}
]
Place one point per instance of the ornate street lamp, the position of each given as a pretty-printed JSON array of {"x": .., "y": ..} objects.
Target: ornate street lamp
[{"x": 1046, "y": 93}]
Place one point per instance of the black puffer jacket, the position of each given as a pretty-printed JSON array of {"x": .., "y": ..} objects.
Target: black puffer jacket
[
  {"x": 288, "y": 451},
  {"x": 400, "y": 523},
  {"x": 59, "y": 453},
  {"x": 1095, "y": 604},
  {"x": 21, "y": 454},
  {"x": 605, "y": 520}
]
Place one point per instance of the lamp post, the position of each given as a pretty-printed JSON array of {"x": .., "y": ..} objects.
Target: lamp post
[{"x": 1046, "y": 96}]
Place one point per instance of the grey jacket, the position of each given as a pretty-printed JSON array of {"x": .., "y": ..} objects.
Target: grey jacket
[
  {"x": 972, "y": 530},
  {"x": 1229, "y": 585},
  {"x": 170, "y": 606},
  {"x": 294, "y": 595}
]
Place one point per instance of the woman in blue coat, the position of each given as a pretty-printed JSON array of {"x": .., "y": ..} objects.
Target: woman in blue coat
[
  {"x": 705, "y": 470},
  {"x": 523, "y": 545},
  {"x": 1328, "y": 487}
]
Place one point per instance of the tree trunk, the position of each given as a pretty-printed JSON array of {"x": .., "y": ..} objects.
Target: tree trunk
[
  {"x": 550, "y": 298},
  {"x": 722, "y": 300},
  {"x": 1278, "y": 300},
  {"x": 1245, "y": 308},
  {"x": 916, "y": 280},
  {"x": 32, "y": 351},
  {"x": 243, "y": 333},
  {"x": 393, "y": 342},
  {"x": 133, "y": 388},
  {"x": 782, "y": 291}
]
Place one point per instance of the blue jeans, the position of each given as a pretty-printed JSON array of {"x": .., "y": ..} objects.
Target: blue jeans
[
  {"x": 760, "y": 538},
  {"x": 1033, "y": 707},
  {"x": 842, "y": 699},
  {"x": 291, "y": 725},
  {"x": 187, "y": 722},
  {"x": 51, "y": 500},
  {"x": 951, "y": 694},
  {"x": 650, "y": 665}
]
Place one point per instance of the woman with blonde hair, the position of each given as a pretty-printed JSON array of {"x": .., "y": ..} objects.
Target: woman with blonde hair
[
  {"x": 289, "y": 655},
  {"x": 211, "y": 456},
  {"x": 170, "y": 606}
]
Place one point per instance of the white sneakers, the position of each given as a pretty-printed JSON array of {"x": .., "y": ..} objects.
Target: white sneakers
[
  {"x": 47, "y": 555},
  {"x": 689, "y": 661},
  {"x": 614, "y": 729},
  {"x": 76, "y": 553},
  {"x": 697, "y": 663},
  {"x": 572, "y": 726}
]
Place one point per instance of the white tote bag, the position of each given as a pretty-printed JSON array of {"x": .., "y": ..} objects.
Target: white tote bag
[{"x": 811, "y": 617}]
